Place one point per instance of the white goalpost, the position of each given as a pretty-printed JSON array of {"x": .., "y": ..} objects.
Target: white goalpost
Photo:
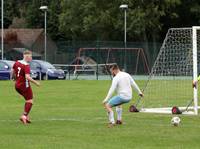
[
  {"x": 195, "y": 63},
  {"x": 170, "y": 80}
]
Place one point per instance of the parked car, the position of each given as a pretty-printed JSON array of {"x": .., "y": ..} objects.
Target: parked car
[
  {"x": 6, "y": 67},
  {"x": 34, "y": 74},
  {"x": 45, "y": 70}
]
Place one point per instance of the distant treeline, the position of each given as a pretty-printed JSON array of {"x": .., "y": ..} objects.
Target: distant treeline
[{"x": 147, "y": 20}]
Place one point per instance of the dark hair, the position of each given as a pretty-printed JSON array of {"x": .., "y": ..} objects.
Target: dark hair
[{"x": 114, "y": 67}]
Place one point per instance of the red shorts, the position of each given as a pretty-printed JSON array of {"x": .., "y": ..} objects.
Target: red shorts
[{"x": 25, "y": 92}]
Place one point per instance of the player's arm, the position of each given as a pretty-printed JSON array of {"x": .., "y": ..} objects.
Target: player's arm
[
  {"x": 28, "y": 77},
  {"x": 12, "y": 74},
  {"x": 111, "y": 90},
  {"x": 135, "y": 86},
  {"x": 194, "y": 83}
]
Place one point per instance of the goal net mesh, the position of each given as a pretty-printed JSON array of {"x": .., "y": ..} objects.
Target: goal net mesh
[{"x": 170, "y": 81}]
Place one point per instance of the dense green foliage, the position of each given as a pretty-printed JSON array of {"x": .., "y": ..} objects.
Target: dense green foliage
[
  {"x": 69, "y": 114},
  {"x": 147, "y": 20}
]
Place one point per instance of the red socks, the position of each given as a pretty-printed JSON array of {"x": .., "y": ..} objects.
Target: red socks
[{"x": 27, "y": 108}]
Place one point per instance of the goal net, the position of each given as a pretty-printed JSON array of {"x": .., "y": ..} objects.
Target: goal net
[{"x": 176, "y": 66}]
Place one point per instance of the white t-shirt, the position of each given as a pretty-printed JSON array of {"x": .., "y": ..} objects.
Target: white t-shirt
[{"x": 121, "y": 84}]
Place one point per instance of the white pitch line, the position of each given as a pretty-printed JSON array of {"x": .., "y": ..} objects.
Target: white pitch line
[
  {"x": 60, "y": 119},
  {"x": 97, "y": 119}
]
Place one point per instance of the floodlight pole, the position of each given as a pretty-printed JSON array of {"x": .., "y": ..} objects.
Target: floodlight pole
[
  {"x": 125, "y": 43},
  {"x": 2, "y": 31},
  {"x": 45, "y": 8},
  {"x": 45, "y": 35},
  {"x": 125, "y": 7}
]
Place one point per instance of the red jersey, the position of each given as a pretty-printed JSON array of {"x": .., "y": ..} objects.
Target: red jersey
[{"x": 21, "y": 68}]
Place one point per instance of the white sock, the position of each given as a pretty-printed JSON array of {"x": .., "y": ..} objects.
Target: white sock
[
  {"x": 111, "y": 117},
  {"x": 119, "y": 113}
]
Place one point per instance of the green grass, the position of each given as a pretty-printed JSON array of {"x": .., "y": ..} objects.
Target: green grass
[
  {"x": 69, "y": 114},
  {"x": 168, "y": 93}
]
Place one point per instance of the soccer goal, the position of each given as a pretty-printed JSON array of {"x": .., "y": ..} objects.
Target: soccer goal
[{"x": 176, "y": 66}]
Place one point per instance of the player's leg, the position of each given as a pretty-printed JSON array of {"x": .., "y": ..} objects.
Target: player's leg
[
  {"x": 28, "y": 95},
  {"x": 114, "y": 101},
  {"x": 110, "y": 113},
  {"x": 119, "y": 114},
  {"x": 118, "y": 102},
  {"x": 20, "y": 90},
  {"x": 27, "y": 108}
]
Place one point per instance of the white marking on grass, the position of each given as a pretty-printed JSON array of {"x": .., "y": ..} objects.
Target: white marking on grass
[{"x": 97, "y": 119}]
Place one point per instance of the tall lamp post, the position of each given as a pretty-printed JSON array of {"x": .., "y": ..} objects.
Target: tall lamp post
[
  {"x": 124, "y": 7},
  {"x": 2, "y": 31},
  {"x": 45, "y": 8}
]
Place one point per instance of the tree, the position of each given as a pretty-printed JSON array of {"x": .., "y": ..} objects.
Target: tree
[
  {"x": 33, "y": 15},
  {"x": 103, "y": 20},
  {"x": 10, "y": 11},
  {"x": 53, "y": 19},
  {"x": 85, "y": 19}
]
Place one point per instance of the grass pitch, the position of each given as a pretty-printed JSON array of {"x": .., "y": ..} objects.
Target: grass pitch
[{"x": 69, "y": 115}]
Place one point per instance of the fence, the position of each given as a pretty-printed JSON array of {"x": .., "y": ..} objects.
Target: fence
[
  {"x": 138, "y": 61},
  {"x": 86, "y": 71},
  {"x": 68, "y": 51}
]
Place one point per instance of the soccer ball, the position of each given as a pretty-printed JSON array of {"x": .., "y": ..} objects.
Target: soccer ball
[{"x": 175, "y": 121}]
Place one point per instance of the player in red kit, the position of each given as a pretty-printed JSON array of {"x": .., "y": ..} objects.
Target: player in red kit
[{"x": 21, "y": 73}]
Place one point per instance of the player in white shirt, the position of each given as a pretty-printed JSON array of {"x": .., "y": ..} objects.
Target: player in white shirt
[{"x": 122, "y": 84}]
